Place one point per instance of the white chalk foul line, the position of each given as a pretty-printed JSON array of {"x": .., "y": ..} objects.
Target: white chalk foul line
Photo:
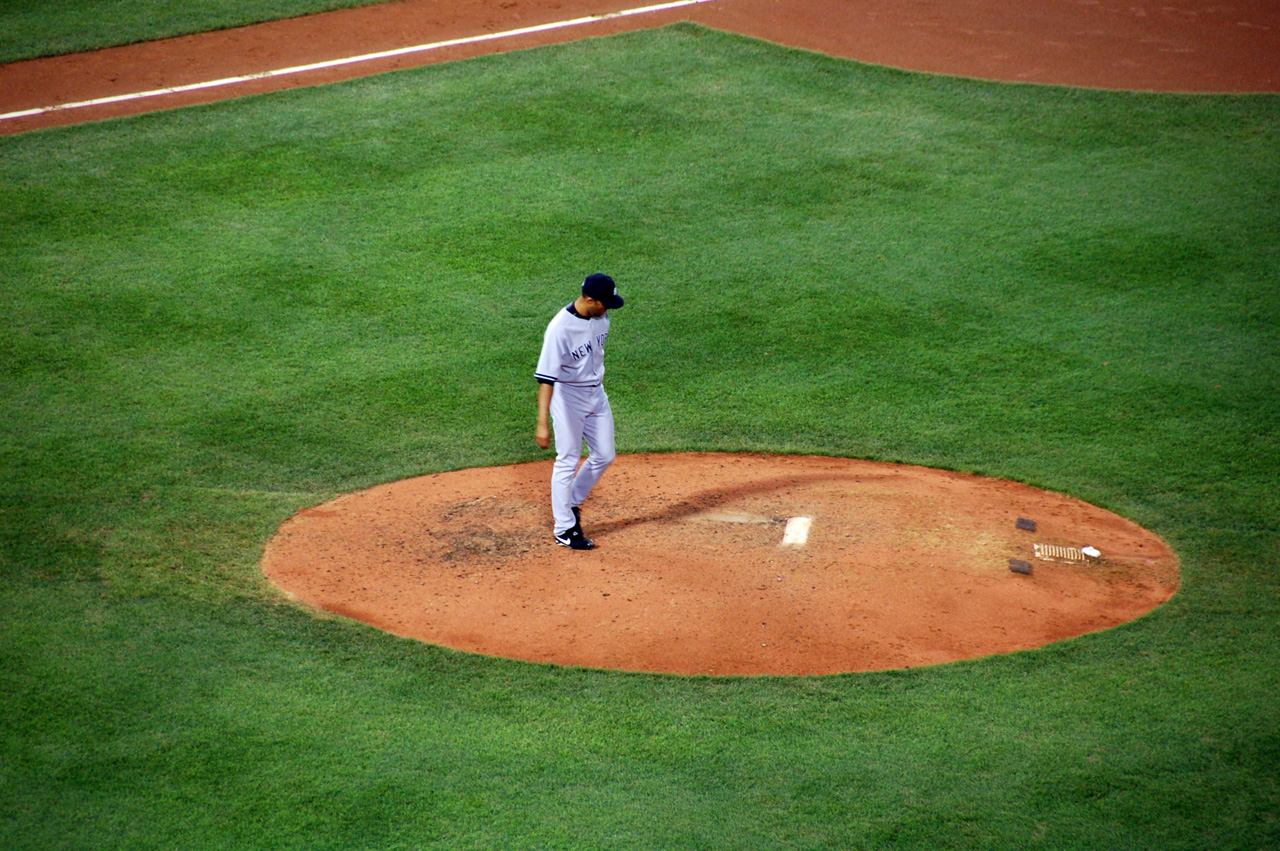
[
  {"x": 353, "y": 60},
  {"x": 797, "y": 532}
]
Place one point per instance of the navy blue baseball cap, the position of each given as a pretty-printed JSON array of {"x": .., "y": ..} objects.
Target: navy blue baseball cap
[{"x": 602, "y": 289}]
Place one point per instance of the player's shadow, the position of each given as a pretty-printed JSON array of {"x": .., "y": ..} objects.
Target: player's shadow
[{"x": 712, "y": 498}]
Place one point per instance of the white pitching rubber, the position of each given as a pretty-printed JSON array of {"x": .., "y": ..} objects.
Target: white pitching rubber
[{"x": 797, "y": 532}]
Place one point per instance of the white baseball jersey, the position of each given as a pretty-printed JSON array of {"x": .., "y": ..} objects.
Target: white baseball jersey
[{"x": 573, "y": 350}]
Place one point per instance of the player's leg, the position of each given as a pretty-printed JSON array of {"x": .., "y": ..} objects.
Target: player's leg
[
  {"x": 597, "y": 428},
  {"x": 567, "y": 422}
]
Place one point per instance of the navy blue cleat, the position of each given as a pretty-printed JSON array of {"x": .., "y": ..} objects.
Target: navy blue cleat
[{"x": 574, "y": 540}]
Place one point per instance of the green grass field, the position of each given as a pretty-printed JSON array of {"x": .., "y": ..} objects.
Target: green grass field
[{"x": 219, "y": 315}]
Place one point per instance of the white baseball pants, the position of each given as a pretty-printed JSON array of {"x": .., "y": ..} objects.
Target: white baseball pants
[{"x": 578, "y": 413}]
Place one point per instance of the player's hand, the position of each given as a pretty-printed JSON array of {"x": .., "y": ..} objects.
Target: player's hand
[{"x": 543, "y": 436}]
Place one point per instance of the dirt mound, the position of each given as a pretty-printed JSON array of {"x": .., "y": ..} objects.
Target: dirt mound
[{"x": 901, "y": 566}]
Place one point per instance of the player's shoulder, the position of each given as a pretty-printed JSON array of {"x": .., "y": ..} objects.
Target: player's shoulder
[{"x": 560, "y": 321}]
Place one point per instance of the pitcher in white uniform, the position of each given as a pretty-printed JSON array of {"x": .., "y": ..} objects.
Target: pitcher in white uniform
[{"x": 570, "y": 374}]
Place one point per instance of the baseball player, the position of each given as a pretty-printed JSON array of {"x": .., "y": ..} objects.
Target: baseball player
[{"x": 570, "y": 377}]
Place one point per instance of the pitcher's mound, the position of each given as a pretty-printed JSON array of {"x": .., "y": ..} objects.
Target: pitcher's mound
[{"x": 892, "y": 566}]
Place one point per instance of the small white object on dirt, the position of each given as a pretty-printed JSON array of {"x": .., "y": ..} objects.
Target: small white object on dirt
[
  {"x": 1053, "y": 552},
  {"x": 797, "y": 532},
  {"x": 1091, "y": 552}
]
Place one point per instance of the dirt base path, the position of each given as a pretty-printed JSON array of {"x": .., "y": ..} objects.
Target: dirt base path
[
  {"x": 1162, "y": 45},
  {"x": 900, "y": 566}
]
